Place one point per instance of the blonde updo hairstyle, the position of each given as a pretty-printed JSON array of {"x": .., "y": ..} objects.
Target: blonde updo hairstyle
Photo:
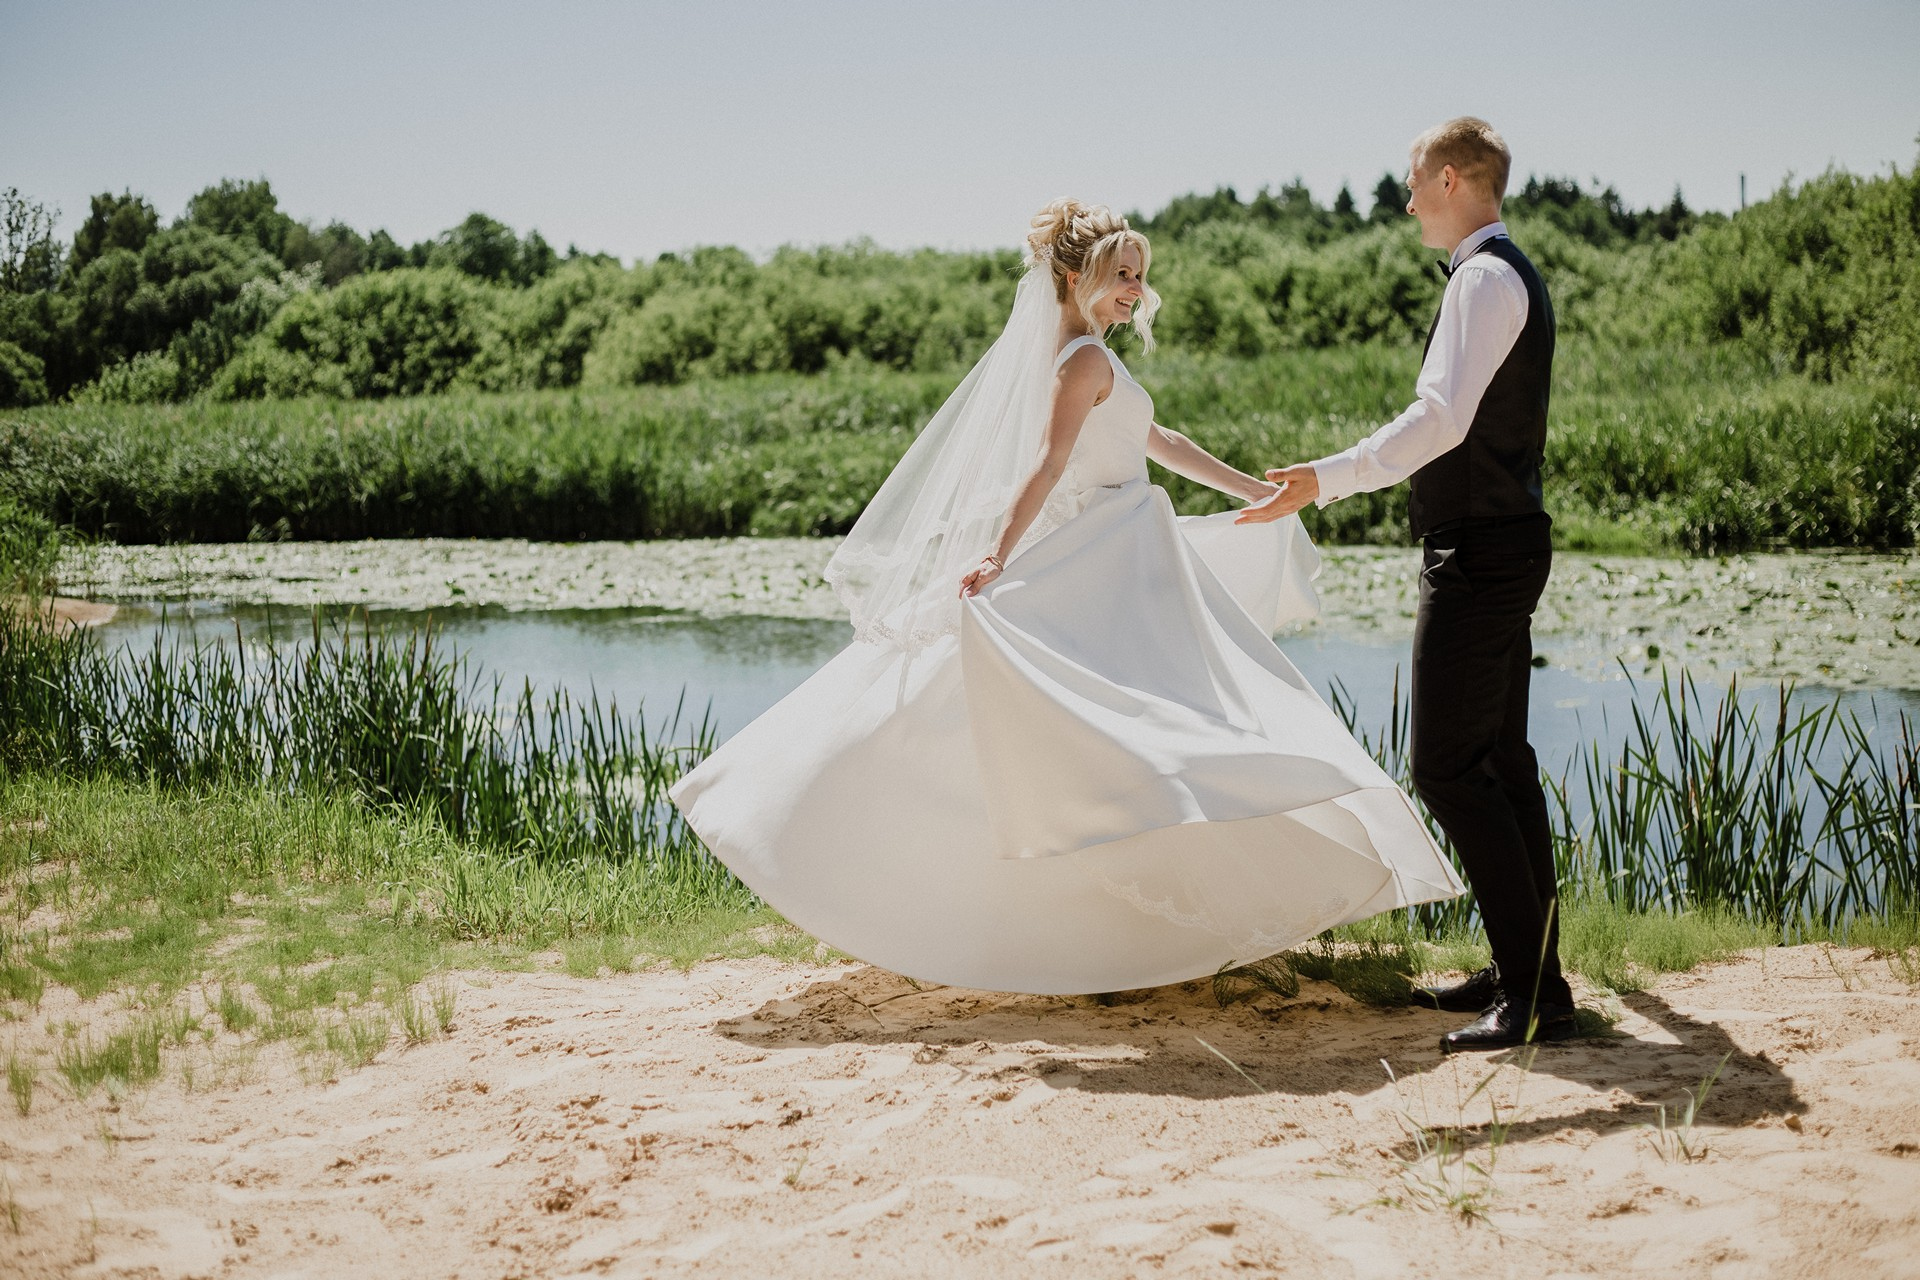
[{"x": 1087, "y": 239}]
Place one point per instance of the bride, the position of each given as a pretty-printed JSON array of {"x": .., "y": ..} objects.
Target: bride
[{"x": 1062, "y": 753}]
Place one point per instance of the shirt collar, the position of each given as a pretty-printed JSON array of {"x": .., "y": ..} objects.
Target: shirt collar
[{"x": 1473, "y": 242}]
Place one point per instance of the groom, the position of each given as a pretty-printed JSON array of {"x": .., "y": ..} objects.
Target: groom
[{"x": 1470, "y": 449}]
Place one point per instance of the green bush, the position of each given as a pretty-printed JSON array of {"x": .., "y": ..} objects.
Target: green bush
[
  {"x": 23, "y": 377},
  {"x": 541, "y": 335},
  {"x": 776, "y": 453},
  {"x": 1823, "y": 278},
  {"x": 29, "y": 549},
  {"x": 678, "y": 335},
  {"x": 803, "y": 311},
  {"x": 1689, "y": 447},
  {"x": 403, "y": 332},
  {"x": 152, "y": 377}
]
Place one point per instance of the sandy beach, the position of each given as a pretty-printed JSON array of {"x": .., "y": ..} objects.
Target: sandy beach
[{"x": 761, "y": 1118}]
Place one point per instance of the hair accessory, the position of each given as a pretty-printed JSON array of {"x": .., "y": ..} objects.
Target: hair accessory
[{"x": 1043, "y": 253}]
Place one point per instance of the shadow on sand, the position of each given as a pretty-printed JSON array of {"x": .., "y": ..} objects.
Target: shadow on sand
[{"x": 1156, "y": 1042}]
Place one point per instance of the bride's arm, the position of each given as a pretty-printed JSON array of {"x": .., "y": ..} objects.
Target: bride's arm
[
  {"x": 1083, "y": 381},
  {"x": 1185, "y": 458}
]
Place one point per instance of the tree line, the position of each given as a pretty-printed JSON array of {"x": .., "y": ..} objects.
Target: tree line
[
  {"x": 1596, "y": 215},
  {"x": 236, "y": 299}
]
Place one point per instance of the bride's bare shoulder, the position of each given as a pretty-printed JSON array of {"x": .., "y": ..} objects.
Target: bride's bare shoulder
[{"x": 1087, "y": 367}]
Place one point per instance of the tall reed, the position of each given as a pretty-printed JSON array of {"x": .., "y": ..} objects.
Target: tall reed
[
  {"x": 390, "y": 719},
  {"x": 1795, "y": 816},
  {"x": 1802, "y": 818}
]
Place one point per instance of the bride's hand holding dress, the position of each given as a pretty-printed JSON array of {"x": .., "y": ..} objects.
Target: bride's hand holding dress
[{"x": 981, "y": 578}]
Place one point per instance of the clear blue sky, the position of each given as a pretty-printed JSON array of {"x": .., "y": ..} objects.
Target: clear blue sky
[{"x": 638, "y": 128}]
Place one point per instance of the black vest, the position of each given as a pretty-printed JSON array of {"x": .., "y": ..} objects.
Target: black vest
[{"x": 1494, "y": 474}]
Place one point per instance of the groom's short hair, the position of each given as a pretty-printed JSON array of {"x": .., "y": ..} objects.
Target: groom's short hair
[{"x": 1473, "y": 147}]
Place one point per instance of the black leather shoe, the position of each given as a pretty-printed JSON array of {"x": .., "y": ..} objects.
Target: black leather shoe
[
  {"x": 1474, "y": 995},
  {"x": 1508, "y": 1023}
]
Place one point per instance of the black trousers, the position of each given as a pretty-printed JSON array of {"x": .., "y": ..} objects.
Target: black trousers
[{"x": 1472, "y": 764}]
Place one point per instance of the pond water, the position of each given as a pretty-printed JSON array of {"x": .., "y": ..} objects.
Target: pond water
[{"x": 739, "y": 666}]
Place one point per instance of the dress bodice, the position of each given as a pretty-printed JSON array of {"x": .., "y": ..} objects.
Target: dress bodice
[{"x": 1112, "y": 448}]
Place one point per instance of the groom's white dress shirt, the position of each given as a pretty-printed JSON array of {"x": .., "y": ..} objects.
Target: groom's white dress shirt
[{"x": 1481, "y": 314}]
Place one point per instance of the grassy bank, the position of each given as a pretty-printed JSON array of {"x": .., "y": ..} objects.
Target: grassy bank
[
  {"x": 1675, "y": 447},
  {"x": 390, "y": 720},
  {"x": 226, "y": 921},
  {"x": 282, "y": 847},
  {"x": 286, "y": 853},
  {"x": 1798, "y": 818},
  {"x": 229, "y": 918},
  {"x": 276, "y": 848}
]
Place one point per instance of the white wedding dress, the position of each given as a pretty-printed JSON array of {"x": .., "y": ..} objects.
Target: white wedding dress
[{"x": 1108, "y": 778}]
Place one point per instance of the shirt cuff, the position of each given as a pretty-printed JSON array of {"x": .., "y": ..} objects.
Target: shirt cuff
[{"x": 1337, "y": 477}]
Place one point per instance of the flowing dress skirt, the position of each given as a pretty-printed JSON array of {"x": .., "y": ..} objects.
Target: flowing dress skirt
[{"x": 1110, "y": 778}]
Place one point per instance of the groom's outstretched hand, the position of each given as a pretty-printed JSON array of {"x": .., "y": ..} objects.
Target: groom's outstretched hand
[{"x": 1299, "y": 485}]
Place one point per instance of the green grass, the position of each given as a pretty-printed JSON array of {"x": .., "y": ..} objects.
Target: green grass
[
  {"x": 1374, "y": 961},
  {"x": 1372, "y": 970},
  {"x": 236, "y": 1013},
  {"x": 21, "y": 1077},
  {"x": 1701, "y": 448},
  {"x": 415, "y": 1018},
  {"x": 124, "y": 1059},
  {"x": 315, "y": 897},
  {"x": 316, "y": 921},
  {"x": 21, "y": 980},
  {"x": 1625, "y": 950},
  {"x": 357, "y": 1038}
]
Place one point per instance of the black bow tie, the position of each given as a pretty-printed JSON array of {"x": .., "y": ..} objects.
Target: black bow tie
[{"x": 1447, "y": 268}]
